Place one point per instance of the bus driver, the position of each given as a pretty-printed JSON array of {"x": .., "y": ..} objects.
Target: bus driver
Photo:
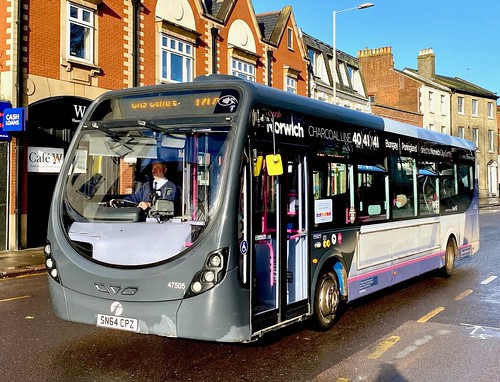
[{"x": 165, "y": 188}]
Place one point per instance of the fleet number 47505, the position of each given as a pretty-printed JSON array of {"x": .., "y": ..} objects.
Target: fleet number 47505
[{"x": 176, "y": 285}]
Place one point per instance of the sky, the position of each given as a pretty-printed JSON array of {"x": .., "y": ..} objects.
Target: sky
[{"x": 462, "y": 33}]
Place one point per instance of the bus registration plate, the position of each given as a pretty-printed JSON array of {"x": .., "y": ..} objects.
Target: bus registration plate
[{"x": 114, "y": 322}]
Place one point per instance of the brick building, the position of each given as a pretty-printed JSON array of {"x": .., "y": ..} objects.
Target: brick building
[
  {"x": 55, "y": 63},
  {"x": 392, "y": 94},
  {"x": 423, "y": 98}
]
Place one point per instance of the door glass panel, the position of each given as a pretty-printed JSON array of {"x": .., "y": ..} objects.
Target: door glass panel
[
  {"x": 296, "y": 275},
  {"x": 264, "y": 227}
]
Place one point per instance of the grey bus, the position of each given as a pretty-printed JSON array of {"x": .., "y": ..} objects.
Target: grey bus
[{"x": 286, "y": 208}]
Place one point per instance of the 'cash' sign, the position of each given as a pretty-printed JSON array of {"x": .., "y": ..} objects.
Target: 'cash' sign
[{"x": 13, "y": 119}]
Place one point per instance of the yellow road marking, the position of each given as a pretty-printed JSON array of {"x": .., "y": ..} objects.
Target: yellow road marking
[
  {"x": 383, "y": 347},
  {"x": 463, "y": 294},
  {"x": 429, "y": 315},
  {"x": 342, "y": 379},
  {"x": 14, "y": 298},
  {"x": 31, "y": 275},
  {"x": 23, "y": 276}
]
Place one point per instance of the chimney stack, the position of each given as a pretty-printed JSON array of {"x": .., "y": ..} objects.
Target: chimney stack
[{"x": 426, "y": 63}]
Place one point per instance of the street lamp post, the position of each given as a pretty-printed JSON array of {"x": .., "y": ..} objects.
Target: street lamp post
[{"x": 334, "y": 74}]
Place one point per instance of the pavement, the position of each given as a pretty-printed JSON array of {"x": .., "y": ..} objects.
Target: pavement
[
  {"x": 32, "y": 260},
  {"x": 21, "y": 262}
]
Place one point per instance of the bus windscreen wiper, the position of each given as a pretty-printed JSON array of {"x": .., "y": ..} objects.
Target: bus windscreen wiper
[
  {"x": 107, "y": 127},
  {"x": 150, "y": 125}
]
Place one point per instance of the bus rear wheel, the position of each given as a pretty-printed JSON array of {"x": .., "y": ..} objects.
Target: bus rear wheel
[
  {"x": 449, "y": 257},
  {"x": 326, "y": 301}
]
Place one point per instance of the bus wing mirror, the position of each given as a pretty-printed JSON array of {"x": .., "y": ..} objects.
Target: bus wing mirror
[
  {"x": 257, "y": 166},
  {"x": 274, "y": 164}
]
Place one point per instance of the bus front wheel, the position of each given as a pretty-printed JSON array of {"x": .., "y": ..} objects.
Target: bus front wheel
[
  {"x": 326, "y": 301},
  {"x": 449, "y": 257}
]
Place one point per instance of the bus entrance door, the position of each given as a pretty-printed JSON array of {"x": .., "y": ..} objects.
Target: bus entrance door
[{"x": 279, "y": 287}]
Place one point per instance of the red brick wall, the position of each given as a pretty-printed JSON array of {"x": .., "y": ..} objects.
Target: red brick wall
[
  {"x": 292, "y": 58},
  {"x": 44, "y": 42},
  {"x": 389, "y": 86},
  {"x": 111, "y": 45},
  {"x": 243, "y": 12},
  {"x": 13, "y": 177},
  {"x": 43, "y": 39},
  {"x": 3, "y": 35},
  {"x": 415, "y": 119}
]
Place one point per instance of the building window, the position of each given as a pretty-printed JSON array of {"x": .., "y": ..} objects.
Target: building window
[
  {"x": 371, "y": 99},
  {"x": 443, "y": 129},
  {"x": 475, "y": 136},
  {"x": 350, "y": 72},
  {"x": 490, "y": 141},
  {"x": 242, "y": 69},
  {"x": 461, "y": 130},
  {"x": 290, "y": 38},
  {"x": 490, "y": 109},
  {"x": 81, "y": 33},
  {"x": 176, "y": 60},
  {"x": 291, "y": 84},
  {"x": 461, "y": 105},
  {"x": 474, "y": 107},
  {"x": 312, "y": 55},
  {"x": 431, "y": 102},
  {"x": 431, "y": 126},
  {"x": 443, "y": 105}
]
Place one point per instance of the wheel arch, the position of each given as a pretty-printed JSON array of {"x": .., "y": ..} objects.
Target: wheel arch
[
  {"x": 335, "y": 262},
  {"x": 450, "y": 231}
]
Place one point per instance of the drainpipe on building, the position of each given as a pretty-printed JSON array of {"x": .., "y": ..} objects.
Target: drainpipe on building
[
  {"x": 269, "y": 68},
  {"x": 19, "y": 140},
  {"x": 215, "y": 35},
  {"x": 135, "y": 42},
  {"x": 309, "y": 76}
]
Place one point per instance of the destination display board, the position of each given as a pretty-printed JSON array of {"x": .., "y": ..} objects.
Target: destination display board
[{"x": 168, "y": 104}]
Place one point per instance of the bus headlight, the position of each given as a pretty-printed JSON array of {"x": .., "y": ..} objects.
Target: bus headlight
[
  {"x": 50, "y": 263},
  {"x": 215, "y": 260},
  {"x": 211, "y": 274}
]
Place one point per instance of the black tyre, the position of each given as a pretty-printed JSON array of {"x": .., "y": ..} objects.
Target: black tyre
[
  {"x": 449, "y": 257},
  {"x": 326, "y": 301}
]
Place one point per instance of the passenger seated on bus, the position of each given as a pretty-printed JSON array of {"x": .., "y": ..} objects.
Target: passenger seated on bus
[
  {"x": 401, "y": 206},
  {"x": 165, "y": 188}
]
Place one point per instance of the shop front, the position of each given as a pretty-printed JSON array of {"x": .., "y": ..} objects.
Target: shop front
[{"x": 51, "y": 125}]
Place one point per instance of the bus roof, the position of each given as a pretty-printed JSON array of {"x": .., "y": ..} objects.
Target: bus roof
[
  {"x": 421, "y": 133},
  {"x": 277, "y": 97},
  {"x": 259, "y": 93}
]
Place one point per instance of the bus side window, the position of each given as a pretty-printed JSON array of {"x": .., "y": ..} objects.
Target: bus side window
[
  {"x": 456, "y": 186},
  {"x": 403, "y": 176},
  {"x": 428, "y": 195},
  {"x": 372, "y": 194},
  {"x": 427, "y": 188},
  {"x": 448, "y": 187},
  {"x": 331, "y": 187}
]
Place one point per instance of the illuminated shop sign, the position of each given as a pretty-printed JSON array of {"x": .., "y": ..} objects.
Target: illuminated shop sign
[{"x": 13, "y": 119}]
